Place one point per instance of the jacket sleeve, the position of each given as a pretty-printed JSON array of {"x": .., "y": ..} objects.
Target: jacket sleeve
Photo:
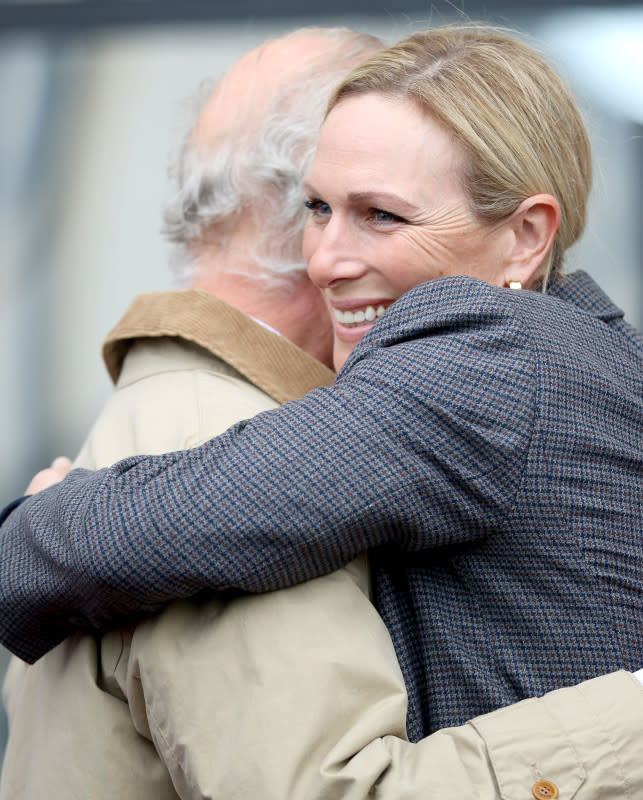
[
  {"x": 251, "y": 697},
  {"x": 582, "y": 741},
  {"x": 231, "y": 718},
  {"x": 401, "y": 449},
  {"x": 10, "y": 507},
  {"x": 298, "y": 694}
]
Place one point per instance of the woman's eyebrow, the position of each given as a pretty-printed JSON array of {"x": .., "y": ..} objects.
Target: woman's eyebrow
[
  {"x": 377, "y": 198},
  {"x": 374, "y": 197}
]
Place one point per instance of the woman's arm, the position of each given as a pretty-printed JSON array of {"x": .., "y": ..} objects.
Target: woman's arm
[{"x": 405, "y": 448}]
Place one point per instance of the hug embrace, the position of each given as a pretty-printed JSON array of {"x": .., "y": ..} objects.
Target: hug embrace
[{"x": 481, "y": 441}]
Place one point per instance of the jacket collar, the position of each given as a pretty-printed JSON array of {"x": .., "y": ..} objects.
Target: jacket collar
[
  {"x": 580, "y": 290},
  {"x": 269, "y": 361}
]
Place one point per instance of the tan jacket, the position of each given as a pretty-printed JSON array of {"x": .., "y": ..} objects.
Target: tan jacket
[{"x": 294, "y": 694}]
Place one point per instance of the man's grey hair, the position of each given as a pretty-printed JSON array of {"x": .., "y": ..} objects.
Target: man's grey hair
[{"x": 262, "y": 172}]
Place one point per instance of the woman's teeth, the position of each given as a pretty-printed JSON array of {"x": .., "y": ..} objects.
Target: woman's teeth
[{"x": 353, "y": 318}]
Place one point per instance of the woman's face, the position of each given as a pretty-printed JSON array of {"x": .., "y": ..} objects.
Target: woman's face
[{"x": 388, "y": 211}]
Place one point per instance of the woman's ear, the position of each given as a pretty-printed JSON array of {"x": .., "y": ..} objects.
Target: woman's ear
[{"x": 534, "y": 225}]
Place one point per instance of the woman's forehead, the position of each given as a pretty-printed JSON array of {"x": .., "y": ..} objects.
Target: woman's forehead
[{"x": 372, "y": 138}]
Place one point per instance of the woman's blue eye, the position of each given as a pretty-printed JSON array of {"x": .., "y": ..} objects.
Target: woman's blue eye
[
  {"x": 318, "y": 207},
  {"x": 385, "y": 216}
]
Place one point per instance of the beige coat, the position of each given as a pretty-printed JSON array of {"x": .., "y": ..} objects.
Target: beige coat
[{"x": 294, "y": 694}]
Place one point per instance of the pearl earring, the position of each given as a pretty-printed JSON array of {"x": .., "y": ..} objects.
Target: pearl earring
[{"x": 515, "y": 285}]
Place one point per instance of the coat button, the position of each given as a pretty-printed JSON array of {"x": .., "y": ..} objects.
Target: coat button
[{"x": 544, "y": 790}]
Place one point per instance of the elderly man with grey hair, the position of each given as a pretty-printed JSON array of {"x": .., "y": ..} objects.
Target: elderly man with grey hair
[
  {"x": 173, "y": 706},
  {"x": 297, "y": 693}
]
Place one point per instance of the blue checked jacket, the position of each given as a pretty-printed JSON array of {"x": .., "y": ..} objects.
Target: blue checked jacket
[{"x": 484, "y": 444}]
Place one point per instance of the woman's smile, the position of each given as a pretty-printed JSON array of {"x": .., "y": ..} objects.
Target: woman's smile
[
  {"x": 388, "y": 212},
  {"x": 353, "y": 318}
]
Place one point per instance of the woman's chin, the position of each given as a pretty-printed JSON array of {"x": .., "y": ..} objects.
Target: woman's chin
[{"x": 345, "y": 341}]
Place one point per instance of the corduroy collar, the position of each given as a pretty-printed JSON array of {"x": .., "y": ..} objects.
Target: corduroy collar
[{"x": 269, "y": 361}]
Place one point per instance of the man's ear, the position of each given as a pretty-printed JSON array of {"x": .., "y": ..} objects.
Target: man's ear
[{"x": 534, "y": 225}]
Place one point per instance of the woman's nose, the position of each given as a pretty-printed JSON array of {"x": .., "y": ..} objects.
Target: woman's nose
[{"x": 331, "y": 254}]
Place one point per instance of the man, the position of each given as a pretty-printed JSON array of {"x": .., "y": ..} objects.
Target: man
[
  {"x": 249, "y": 334},
  {"x": 264, "y": 725}
]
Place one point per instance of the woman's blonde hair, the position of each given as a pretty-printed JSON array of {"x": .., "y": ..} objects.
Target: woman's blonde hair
[{"x": 514, "y": 116}]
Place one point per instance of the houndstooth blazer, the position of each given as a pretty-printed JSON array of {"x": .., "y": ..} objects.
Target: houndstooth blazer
[{"x": 484, "y": 444}]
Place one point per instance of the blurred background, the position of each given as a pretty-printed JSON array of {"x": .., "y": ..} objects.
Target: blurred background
[{"x": 95, "y": 97}]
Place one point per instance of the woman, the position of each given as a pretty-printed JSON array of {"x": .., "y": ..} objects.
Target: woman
[
  {"x": 417, "y": 177},
  {"x": 483, "y": 441},
  {"x": 459, "y": 152}
]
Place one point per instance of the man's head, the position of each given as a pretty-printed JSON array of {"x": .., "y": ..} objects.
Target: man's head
[{"x": 238, "y": 214}]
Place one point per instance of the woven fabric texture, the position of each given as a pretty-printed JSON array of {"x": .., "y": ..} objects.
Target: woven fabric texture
[{"x": 484, "y": 444}]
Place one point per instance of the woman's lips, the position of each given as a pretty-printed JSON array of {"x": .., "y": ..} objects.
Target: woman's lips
[
  {"x": 359, "y": 315},
  {"x": 354, "y": 318}
]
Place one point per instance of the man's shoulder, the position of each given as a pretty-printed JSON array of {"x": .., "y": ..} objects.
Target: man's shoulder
[{"x": 188, "y": 315}]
